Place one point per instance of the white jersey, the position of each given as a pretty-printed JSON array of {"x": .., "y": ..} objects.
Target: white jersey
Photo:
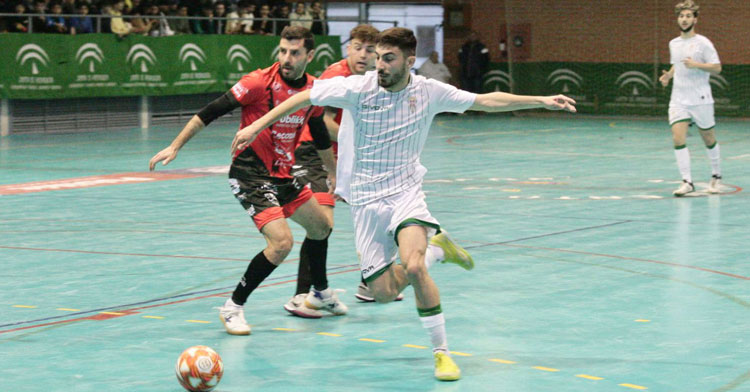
[
  {"x": 691, "y": 86},
  {"x": 390, "y": 129},
  {"x": 345, "y": 162}
]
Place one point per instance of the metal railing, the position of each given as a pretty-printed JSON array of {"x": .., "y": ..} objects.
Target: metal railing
[{"x": 221, "y": 21}]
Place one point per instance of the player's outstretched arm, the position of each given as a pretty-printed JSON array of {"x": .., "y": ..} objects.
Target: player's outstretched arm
[
  {"x": 169, "y": 153},
  {"x": 246, "y": 135},
  {"x": 504, "y": 102}
]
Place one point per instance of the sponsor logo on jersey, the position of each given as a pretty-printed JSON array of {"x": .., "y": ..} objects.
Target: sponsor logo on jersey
[{"x": 292, "y": 119}]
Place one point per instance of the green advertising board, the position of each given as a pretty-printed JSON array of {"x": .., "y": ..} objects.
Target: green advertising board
[
  {"x": 616, "y": 88},
  {"x": 103, "y": 65}
]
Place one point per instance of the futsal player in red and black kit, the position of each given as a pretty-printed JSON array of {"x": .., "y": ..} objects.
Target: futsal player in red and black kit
[
  {"x": 260, "y": 174},
  {"x": 310, "y": 169}
]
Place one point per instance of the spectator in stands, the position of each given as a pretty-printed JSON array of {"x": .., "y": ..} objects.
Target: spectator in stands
[
  {"x": 117, "y": 24},
  {"x": 181, "y": 26},
  {"x": 82, "y": 24},
  {"x": 39, "y": 23},
  {"x": 18, "y": 24},
  {"x": 160, "y": 27},
  {"x": 319, "y": 25},
  {"x": 248, "y": 15},
  {"x": 263, "y": 25},
  {"x": 55, "y": 22},
  {"x": 473, "y": 58},
  {"x": 434, "y": 69},
  {"x": 139, "y": 24},
  {"x": 300, "y": 16},
  {"x": 69, "y": 7},
  {"x": 220, "y": 11},
  {"x": 232, "y": 26},
  {"x": 205, "y": 26},
  {"x": 282, "y": 12}
]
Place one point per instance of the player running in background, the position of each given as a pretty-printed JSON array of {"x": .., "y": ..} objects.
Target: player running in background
[
  {"x": 392, "y": 112},
  {"x": 260, "y": 175},
  {"x": 694, "y": 60}
]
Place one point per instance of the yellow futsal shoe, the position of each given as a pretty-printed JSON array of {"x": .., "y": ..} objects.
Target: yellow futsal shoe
[
  {"x": 454, "y": 253},
  {"x": 445, "y": 368}
]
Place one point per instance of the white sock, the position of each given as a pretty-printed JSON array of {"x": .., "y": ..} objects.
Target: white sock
[
  {"x": 683, "y": 163},
  {"x": 435, "y": 325},
  {"x": 432, "y": 255},
  {"x": 714, "y": 157}
]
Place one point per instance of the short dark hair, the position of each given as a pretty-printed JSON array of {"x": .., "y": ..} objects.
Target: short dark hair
[
  {"x": 400, "y": 37},
  {"x": 364, "y": 33},
  {"x": 298, "y": 32}
]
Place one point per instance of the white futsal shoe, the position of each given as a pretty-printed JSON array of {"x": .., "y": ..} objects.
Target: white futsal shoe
[
  {"x": 684, "y": 189},
  {"x": 325, "y": 300},
  {"x": 714, "y": 186},
  {"x": 296, "y": 306},
  {"x": 233, "y": 317}
]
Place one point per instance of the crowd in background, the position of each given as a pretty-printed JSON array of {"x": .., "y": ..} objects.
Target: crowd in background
[{"x": 146, "y": 17}]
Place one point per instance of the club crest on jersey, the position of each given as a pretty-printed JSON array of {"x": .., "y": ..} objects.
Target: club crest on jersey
[
  {"x": 412, "y": 104},
  {"x": 276, "y": 86}
]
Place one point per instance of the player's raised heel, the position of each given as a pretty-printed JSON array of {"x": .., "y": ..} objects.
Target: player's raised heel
[
  {"x": 684, "y": 189},
  {"x": 233, "y": 317},
  {"x": 454, "y": 253},
  {"x": 445, "y": 368},
  {"x": 325, "y": 300}
]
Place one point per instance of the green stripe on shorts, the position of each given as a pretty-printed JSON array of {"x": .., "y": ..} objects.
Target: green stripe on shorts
[
  {"x": 678, "y": 121},
  {"x": 412, "y": 222},
  {"x": 378, "y": 273}
]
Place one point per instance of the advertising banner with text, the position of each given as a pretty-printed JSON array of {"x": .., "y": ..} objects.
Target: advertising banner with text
[
  {"x": 102, "y": 65},
  {"x": 616, "y": 88}
]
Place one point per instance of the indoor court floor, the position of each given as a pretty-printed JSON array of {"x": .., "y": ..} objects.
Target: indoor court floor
[{"x": 589, "y": 275}]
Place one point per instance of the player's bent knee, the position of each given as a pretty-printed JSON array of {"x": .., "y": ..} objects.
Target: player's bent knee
[
  {"x": 415, "y": 271},
  {"x": 281, "y": 246}
]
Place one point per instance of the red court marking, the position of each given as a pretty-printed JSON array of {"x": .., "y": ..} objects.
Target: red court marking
[
  {"x": 134, "y": 310},
  {"x": 632, "y": 259},
  {"x": 125, "y": 254},
  {"x": 92, "y": 181}
]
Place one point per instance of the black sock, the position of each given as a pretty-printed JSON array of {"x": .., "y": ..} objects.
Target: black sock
[
  {"x": 314, "y": 252},
  {"x": 256, "y": 272},
  {"x": 303, "y": 273}
]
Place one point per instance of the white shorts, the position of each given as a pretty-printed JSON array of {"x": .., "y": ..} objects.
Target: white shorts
[
  {"x": 702, "y": 115},
  {"x": 376, "y": 225}
]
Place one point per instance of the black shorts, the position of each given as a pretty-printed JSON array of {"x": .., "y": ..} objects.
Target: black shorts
[
  {"x": 309, "y": 168},
  {"x": 265, "y": 198}
]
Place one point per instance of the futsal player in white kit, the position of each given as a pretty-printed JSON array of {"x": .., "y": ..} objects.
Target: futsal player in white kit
[
  {"x": 694, "y": 60},
  {"x": 392, "y": 111}
]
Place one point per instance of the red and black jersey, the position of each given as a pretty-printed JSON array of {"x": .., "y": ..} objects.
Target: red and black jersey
[{"x": 258, "y": 92}]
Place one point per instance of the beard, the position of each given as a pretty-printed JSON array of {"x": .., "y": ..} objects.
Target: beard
[
  {"x": 687, "y": 29},
  {"x": 386, "y": 81}
]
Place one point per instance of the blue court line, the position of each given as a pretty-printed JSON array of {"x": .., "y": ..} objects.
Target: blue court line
[
  {"x": 548, "y": 234},
  {"x": 152, "y": 300}
]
